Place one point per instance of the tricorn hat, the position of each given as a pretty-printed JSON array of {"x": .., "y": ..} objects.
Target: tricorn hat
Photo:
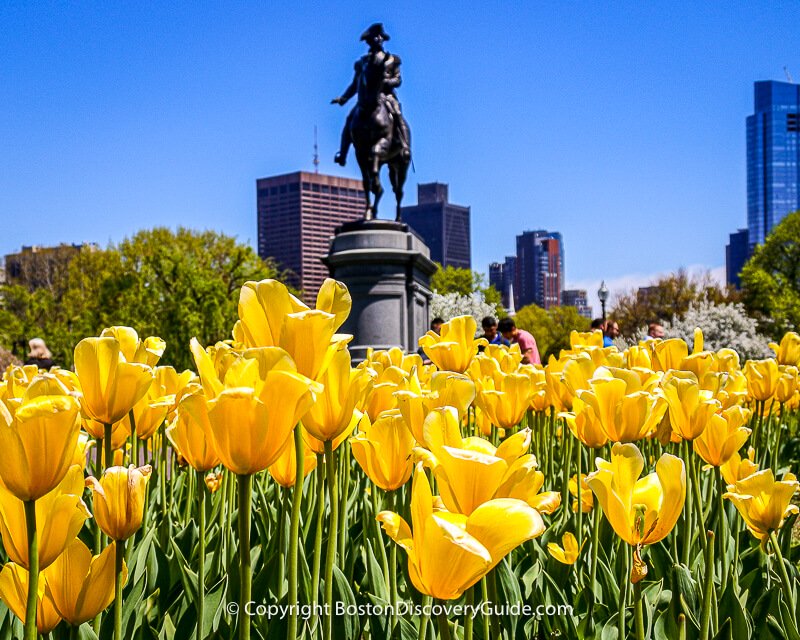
[{"x": 375, "y": 30}]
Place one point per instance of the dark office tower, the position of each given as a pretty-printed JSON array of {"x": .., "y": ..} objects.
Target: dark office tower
[
  {"x": 736, "y": 254},
  {"x": 443, "y": 226},
  {"x": 540, "y": 268},
  {"x": 773, "y": 158},
  {"x": 577, "y": 298},
  {"x": 502, "y": 277},
  {"x": 297, "y": 215}
]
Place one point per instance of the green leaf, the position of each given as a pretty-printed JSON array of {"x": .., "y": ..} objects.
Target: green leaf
[{"x": 346, "y": 627}]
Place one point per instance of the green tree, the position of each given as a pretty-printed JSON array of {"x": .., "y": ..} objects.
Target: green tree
[
  {"x": 464, "y": 282},
  {"x": 669, "y": 297},
  {"x": 175, "y": 285},
  {"x": 551, "y": 328},
  {"x": 771, "y": 279}
]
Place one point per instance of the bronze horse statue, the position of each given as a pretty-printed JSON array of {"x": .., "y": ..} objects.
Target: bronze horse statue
[{"x": 376, "y": 127}]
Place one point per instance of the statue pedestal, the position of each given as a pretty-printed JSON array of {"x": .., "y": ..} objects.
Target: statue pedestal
[{"x": 387, "y": 269}]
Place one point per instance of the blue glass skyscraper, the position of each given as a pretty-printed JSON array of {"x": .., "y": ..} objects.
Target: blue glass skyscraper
[
  {"x": 773, "y": 168},
  {"x": 773, "y": 158}
]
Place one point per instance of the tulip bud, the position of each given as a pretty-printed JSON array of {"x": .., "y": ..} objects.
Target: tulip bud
[{"x": 119, "y": 500}]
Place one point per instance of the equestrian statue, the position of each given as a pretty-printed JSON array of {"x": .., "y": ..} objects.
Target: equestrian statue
[{"x": 375, "y": 126}]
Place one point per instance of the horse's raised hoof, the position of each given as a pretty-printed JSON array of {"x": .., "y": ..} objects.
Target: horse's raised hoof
[{"x": 340, "y": 159}]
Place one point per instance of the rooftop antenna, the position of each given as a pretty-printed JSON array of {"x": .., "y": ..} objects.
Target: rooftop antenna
[
  {"x": 316, "y": 152},
  {"x": 788, "y": 75}
]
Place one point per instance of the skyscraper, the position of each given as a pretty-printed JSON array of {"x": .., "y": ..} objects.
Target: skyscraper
[
  {"x": 502, "y": 276},
  {"x": 443, "y": 226},
  {"x": 577, "y": 298},
  {"x": 539, "y": 269},
  {"x": 773, "y": 167},
  {"x": 297, "y": 215}
]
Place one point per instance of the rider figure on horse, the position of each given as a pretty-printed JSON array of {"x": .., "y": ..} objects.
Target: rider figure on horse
[{"x": 389, "y": 65}]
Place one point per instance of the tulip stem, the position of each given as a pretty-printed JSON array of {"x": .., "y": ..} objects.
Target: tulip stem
[
  {"x": 444, "y": 624},
  {"x": 74, "y": 632},
  {"x": 318, "y": 533},
  {"x": 423, "y": 622},
  {"x": 280, "y": 495},
  {"x": 201, "y": 568},
  {"x": 491, "y": 585},
  {"x": 395, "y": 502},
  {"x": 623, "y": 597},
  {"x": 109, "y": 452},
  {"x": 33, "y": 570},
  {"x": 698, "y": 499},
  {"x": 378, "y": 539},
  {"x": 468, "y": 616},
  {"x": 638, "y": 613},
  {"x": 785, "y": 583},
  {"x": 579, "y": 526},
  {"x": 345, "y": 471},
  {"x": 294, "y": 533},
  {"x": 708, "y": 589},
  {"x": 333, "y": 528},
  {"x": 723, "y": 531},
  {"x": 485, "y": 616},
  {"x": 245, "y": 570},
  {"x": 119, "y": 556}
]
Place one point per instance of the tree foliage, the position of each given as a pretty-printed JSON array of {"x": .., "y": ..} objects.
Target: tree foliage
[
  {"x": 464, "y": 283},
  {"x": 771, "y": 279},
  {"x": 174, "y": 285},
  {"x": 668, "y": 297},
  {"x": 551, "y": 328}
]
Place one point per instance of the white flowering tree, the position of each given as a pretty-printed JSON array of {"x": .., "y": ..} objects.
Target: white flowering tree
[
  {"x": 450, "y": 305},
  {"x": 723, "y": 325}
]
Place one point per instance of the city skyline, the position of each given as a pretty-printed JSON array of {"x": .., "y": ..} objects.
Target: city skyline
[{"x": 121, "y": 118}]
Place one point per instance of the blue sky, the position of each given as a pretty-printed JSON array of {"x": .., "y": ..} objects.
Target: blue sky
[{"x": 619, "y": 124}]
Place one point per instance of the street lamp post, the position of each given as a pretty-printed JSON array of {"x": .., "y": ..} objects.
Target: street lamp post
[{"x": 602, "y": 293}]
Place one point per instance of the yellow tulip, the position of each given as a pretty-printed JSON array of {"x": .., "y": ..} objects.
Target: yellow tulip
[
  {"x": 505, "y": 399},
  {"x": 578, "y": 371},
  {"x": 269, "y": 316},
  {"x": 81, "y": 586},
  {"x": 667, "y": 354},
  {"x": 14, "y": 592},
  {"x": 318, "y": 446},
  {"x": 724, "y": 436},
  {"x": 570, "y": 551},
  {"x": 447, "y": 389},
  {"x": 625, "y": 409},
  {"x": 343, "y": 392},
  {"x": 471, "y": 471},
  {"x": 586, "y": 339},
  {"x": 284, "y": 469},
  {"x": 587, "y": 501},
  {"x": 690, "y": 408},
  {"x": 383, "y": 450},
  {"x": 60, "y": 515},
  {"x": 638, "y": 356},
  {"x": 787, "y": 383},
  {"x": 254, "y": 402},
  {"x": 38, "y": 443},
  {"x": 763, "y": 502},
  {"x": 559, "y": 395},
  {"x": 585, "y": 424},
  {"x": 213, "y": 481},
  {"x": 190, "y": 432},
  {"x": 110, "y": 384},
  {"x": 455, "y": 346},
  {"x": 641, "y": 511},
  {"x": 119, "y": 500},
  {"x": 147, "y": 351},
  {"x": 788, "y": 351},
  {"x": 381, "y": 396},
  {"x": 447, "y": 552},
  {"x": 508, "y": 358},
  {"x": 149, "y": 413},
  {"x": 173, "y": 384},
  {"x": 733, "y": 390},
  {"x": 394, "y": 357},
  {"x": 762, "y": 378},
  {"x": 738, "y": 468}
]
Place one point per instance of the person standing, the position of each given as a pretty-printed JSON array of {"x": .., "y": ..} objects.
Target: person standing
[
  {"x": 527, "y": 343},
  {"x": 610, "y": 334},
  {"x": 39, "y": 354},
  {"x": 490, "y": 332}
]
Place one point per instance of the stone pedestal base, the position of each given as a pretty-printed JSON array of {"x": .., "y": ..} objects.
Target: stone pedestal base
[{"x": 387, "y": 269}]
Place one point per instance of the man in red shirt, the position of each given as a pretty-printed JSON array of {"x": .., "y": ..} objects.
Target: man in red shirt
[{"x": 527, "y": 343}]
